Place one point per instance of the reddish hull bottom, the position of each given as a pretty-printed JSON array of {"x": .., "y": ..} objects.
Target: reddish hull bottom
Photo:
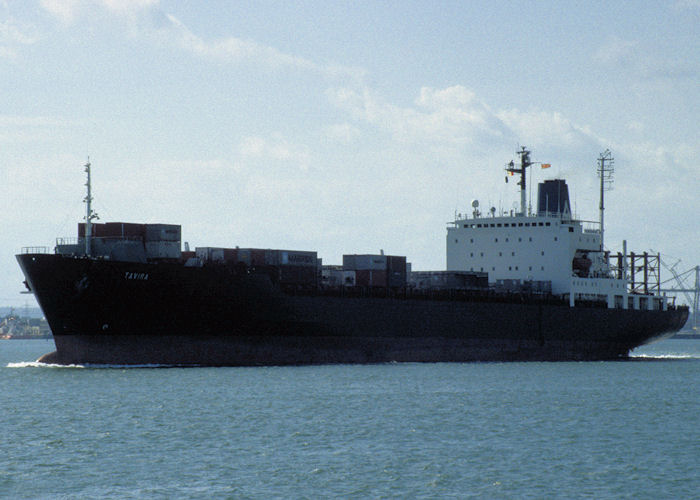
[{"x": 296, "y": 350}]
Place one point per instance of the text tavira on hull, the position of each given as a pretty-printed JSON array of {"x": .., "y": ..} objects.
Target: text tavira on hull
[{"x": 527, "y": 285}]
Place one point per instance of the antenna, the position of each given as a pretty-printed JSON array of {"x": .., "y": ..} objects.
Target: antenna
[
  {"x": 89, "y": 214},
  {"x": 605, "y": 171}
]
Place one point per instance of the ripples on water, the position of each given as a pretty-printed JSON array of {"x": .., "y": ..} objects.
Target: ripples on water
[{"x": 600, "y": 429}]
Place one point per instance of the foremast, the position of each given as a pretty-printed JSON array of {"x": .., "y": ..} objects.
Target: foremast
[{"x": 90, "y": 215}]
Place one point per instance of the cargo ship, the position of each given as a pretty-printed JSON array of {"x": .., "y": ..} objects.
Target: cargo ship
[{"x": 519, "y": 286}]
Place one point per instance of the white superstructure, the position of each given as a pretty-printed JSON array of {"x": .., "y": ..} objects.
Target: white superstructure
[{"x": 546, "y": 251}]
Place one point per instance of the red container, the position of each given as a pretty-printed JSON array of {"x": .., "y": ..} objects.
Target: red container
[
  {"x": 372, "y": 278},
  {"x": 231, "y": 254},
  {"x": 257, "y": 257},
  {"x": 113, "y": 230}
]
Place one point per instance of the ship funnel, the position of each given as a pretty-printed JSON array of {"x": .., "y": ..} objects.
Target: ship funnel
[{"x": 553, "y": 197}]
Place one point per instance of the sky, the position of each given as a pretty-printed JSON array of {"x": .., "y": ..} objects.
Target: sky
[{"x": 344, "y": 127}]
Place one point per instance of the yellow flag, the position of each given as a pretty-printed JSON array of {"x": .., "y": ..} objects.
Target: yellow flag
[{"x": 546, "y": 165}]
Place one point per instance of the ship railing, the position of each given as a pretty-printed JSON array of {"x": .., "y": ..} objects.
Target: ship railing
[
  {"x": 66, "y": 241},
  {"x": 591, "y": 227},
  {"x": 28, "y": 250},
  {"x": 72, "y": 240}
]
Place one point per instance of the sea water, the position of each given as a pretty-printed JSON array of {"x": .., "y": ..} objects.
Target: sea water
[{"x": 447, "y": 430}]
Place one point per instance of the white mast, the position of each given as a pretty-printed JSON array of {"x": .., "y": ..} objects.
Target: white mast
[
  {"x": 89, "y": 214},
  {"x": 605, "y": 172}
]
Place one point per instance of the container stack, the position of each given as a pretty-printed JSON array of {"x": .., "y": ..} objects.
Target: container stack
[
  {"x": 377, "y": 270},
  {"x": 159, "y": 241},
  {"x": 162, "y": 241},
  {"x": 115, "y": 230},
  {"x": 294, "y": 267},
  {"x": 336, "y": 276},
  {"x": 449, "y": 280}
]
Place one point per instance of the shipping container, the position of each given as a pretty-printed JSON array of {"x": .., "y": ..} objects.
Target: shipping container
[
  {"x": 257, "y": 257},
  {"x": 243, "y": 255},
  {"x": 396, "y": 271},
  {"x": 370, "y": 277},
  {"x": 363, "y": 262},
  {"x": 210, "y": 254},
  {"x": 455, "y": 280},
  {"x": 298, "y": 275},
  {"x": 162, "y": 232},
  {"x": 163, "y": 250},
  {"x": 230, "y": 254},
  {"x": 113, "y": 230},
  {"x": 336, "y": 276},
  {"x": 275, "y": 257}
]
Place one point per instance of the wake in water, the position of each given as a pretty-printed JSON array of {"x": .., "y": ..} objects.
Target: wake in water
[
  {"x": 37, "y": 364},
  {"x": 666, "y": 356}
]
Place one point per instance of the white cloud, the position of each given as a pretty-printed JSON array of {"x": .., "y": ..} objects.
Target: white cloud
[
  {"x": 451, "y": 116},
  {"x": 542, "y": 127},
  {"x": 236, "y": 50},
  {"x": 13, "y": 35},
  {"x": 144, "y": 18},
  {"x": 343, "y": 133},
  {"x": 231, "y": 49},
  {"x": 69, "y": 10}
]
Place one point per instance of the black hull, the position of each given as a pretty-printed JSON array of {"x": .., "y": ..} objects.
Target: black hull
[{"x": 106, "y": 312}]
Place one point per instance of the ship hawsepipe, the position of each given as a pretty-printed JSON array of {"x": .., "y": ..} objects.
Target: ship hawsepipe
[{"x": 104, "y": 311}]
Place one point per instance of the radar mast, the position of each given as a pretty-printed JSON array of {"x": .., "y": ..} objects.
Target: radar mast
[
  {"x": 511, "y": 169},
  {"x": 605, "y": 171}
]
